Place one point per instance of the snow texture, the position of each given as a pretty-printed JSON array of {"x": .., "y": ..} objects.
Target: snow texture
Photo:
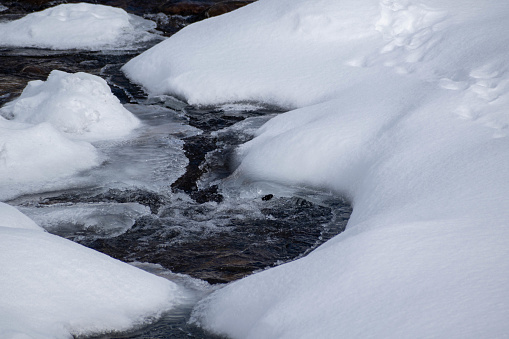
[
  {"x": 77, "y": 26},
  {"x": 11, "y": 217},
  {"x": 403, "y": 107}
]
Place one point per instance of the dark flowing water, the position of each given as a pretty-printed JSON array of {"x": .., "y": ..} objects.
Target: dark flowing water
[{"x": 166, "y": 196}]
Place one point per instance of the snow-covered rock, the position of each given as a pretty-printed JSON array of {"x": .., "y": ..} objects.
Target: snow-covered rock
[
  {"x": 81, "y": 26},
  {"x": 404, "y": 109},
  {"x": 79, "y": 104}
]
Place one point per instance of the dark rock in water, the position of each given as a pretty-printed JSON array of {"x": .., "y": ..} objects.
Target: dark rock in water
[
  {"x": 224, "y": 7},
  {"x": 267, "y": 197},
  {"x": 175, "y": 14},
  {"x": 195, "y": 149}
]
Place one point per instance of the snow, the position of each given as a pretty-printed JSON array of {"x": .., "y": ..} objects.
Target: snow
[
  {"x": 11, "y": 217},
  {"x": 54, "y": 288},
  {"x": 50, "y": 127},
  {"x": 78, "y": 104},
  {"x": 403, "y": 108},
  {"x": 80, "y": 26},
  {"x": 32, "y": 156}
]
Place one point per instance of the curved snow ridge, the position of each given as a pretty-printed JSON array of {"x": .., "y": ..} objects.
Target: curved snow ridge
[
  {"x": 80, "y": 105},
  {"x": 54, "y": 288},
  {"x": 81, "y": 26}
]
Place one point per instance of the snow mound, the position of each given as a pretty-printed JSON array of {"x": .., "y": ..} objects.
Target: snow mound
[
  {"x": 80, "y": 26},
  {"x": 245, "y": 60},
  {"x": 403, "y": 107},
  {"x": 81, "y": 105},
  {"x": 53, "y": 288}
]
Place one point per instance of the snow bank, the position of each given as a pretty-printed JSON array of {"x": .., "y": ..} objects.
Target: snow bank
[
  {"x": 11, "y": 217},
  {"x": 246, "y": 60},
  {"x": 53, "y": 288},
  {"x": 403, "y": 109},
  {"x": 80, "y": 105},
  {"x": 82, "y": 26}
]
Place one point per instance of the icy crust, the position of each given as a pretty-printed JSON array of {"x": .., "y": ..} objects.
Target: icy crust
[
  {"x": 53, "y": 288},
  {"x": 80, "y": 26},
  {"x": 81, "y": 105},
  {"x": 404, "y": 110}
]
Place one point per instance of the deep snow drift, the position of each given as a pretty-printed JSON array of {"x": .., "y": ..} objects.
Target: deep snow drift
[
  {"x": 404, "y": 108},
  {"x": 46, "y": 138},
  {"x": 52, "y": 287},
  {"x": 82, "y": 26}
]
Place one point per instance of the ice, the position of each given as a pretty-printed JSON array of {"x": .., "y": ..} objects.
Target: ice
[
  {"x": 402, "y": 108},
  {"x": 101, "y": 220},
  {"x": 77, "y": 26},
  {"x": 79, "y": 104}
]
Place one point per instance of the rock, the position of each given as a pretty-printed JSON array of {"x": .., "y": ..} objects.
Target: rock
[{"x": 225, "y": 7}]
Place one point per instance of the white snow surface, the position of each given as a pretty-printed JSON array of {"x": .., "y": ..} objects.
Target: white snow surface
[
  {"x": 11, "y": 217},
  {"x": 53, "y": 288},
  {"x": 79, "y": 104},
  {"x": 77, "y": 26},
  {"x": 404, "y": 108},
  {"x": 33, "y": 156}
]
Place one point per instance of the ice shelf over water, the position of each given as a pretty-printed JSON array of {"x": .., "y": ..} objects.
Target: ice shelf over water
[
  {"x": 80, "y": 26},
  {"x": 403, "y": 107}
]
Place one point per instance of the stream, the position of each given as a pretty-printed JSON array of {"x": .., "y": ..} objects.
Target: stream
[{"x": 164, "y": 199}]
